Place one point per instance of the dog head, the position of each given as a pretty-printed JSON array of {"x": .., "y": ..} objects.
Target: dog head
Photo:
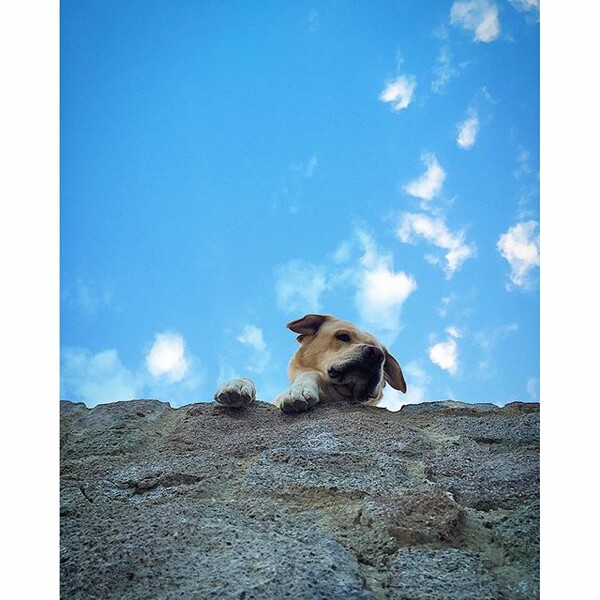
[{"x": 351, "y": 363}]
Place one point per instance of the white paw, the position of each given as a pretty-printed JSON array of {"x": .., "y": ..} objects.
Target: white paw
[
  {"x": 236, "y": 393},
  {"x": 297, "y": 399}
]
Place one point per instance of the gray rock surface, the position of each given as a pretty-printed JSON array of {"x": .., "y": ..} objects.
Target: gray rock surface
[{"x": 437, "y": 501}]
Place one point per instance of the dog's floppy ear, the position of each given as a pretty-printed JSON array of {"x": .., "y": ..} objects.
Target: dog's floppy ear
[
  {"x": 307, "y": 325},
  {"x": 393, "y": 373}
]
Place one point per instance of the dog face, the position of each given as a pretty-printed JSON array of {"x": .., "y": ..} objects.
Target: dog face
[{"x": 350, "y": 363}]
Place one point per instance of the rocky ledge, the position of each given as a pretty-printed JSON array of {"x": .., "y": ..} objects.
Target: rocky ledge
[{"x": 437, "y": 501}]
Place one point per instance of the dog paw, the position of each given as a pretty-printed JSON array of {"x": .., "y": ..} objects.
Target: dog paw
[
  {"x": 236, "y": 393},
  {"x": 297, "y": 399}
]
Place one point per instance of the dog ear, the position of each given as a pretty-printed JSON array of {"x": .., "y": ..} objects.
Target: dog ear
[
  {"x": 393, "y": 373},
  {"x": 307, "y": 325}
]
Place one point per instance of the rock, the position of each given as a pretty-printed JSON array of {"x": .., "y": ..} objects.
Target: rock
[
  {"x": 345, "y": 501},
  {"x": 416, "y": 517},
  {"x": 452, "y": 406},
  {"x": 191, "y": 549},
  {"x": 417, "y": 574}
]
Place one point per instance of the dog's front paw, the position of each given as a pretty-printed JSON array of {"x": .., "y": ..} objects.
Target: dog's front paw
[
  {"x": 297, "y": 399},
  {"x": 236, "y": 393}
]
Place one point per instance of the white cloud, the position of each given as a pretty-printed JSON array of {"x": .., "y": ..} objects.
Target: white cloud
[
  {"x": 444, "y": 70},
  {"x": 342, "y": 253},
  {"x": 96, "y": 378},
  {"x": 445, "y": 355},
  {"x": 381, "y": 290},
  {"x": 299, "y": 286},
  {"x": 252, "y": 336},
  {"x": 444, "y": 305},
  {"x": 428, "y": 185},
  {"x": 382, "y": 294},
  {"x": 261, "y": 357},
  {"x": 167, "y": 357},
  {"x": 520, "y": 246},
  {"x": 478, "y": 16},
  {"x": 102, "y": 377},
  {"x": 467, "y": 131},
  {"x": 399, "y": 92},
  {"x": 180, "y": 392},
  {"x": 453, "y": 331},
  {"x": 434, "y": 230}
]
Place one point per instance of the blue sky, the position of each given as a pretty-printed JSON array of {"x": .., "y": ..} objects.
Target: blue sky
[{"x": 229, "y": 167}]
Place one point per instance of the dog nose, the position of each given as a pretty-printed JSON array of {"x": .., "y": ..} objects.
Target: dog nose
[{"x": 371, "y": 353}]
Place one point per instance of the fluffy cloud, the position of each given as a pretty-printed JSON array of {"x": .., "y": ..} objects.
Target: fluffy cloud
[
  {"x": 252, "y": 336},
  {"x": 415, "y": 226},
  {"x": 445, "y": 354},
  {"x": 453, "y": 331},
  {"x": 299, "y": 286},
  {"x": 520, "y": 246},
  {"x": 357, "y": 264},
  {"x": 444, "y": 305},
  {"x": 167, "y": 357},
  {"x": 381, "y": 291},
  {"x": 381, "y": 295},
  {"x": 444, "y": 70},
  {"x": 478, "y": 16},
  {"x": 467, "y": 131},
  {"x": 168, "y": 373},
  {"x": 399, "y": 92},
  {"x": 428, "y": 185},
  {"x": 96, "y": 378}
]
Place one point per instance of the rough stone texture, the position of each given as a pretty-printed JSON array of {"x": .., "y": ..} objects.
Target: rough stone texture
[{"x": 439, "y": 500}]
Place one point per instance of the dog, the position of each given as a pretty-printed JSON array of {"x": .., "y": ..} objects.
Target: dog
[{"x": 336, "y": 361}]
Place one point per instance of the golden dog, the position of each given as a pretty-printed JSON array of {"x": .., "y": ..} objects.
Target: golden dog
[{"x": 335, "y": 361}]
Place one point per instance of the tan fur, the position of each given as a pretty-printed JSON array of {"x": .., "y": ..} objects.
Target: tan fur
[
  {"x": 324, "y": 347},
  {"x": 336, "y": 361}
]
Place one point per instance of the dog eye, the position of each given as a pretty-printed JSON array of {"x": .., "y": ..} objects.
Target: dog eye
[{"x": 343, "y": 337}]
